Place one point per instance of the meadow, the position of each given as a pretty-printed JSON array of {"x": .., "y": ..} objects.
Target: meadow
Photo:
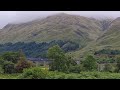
[{"x": 60, "y": 75}]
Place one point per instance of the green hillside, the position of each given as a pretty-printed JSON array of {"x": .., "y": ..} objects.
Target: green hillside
[
  {"x": 91, "y": 34},
  {"x": 110, "y": 38},
  {"x": 57, "y": 27}
]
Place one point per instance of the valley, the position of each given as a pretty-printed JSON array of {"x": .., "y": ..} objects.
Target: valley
[{"x": 64, "y": 39}]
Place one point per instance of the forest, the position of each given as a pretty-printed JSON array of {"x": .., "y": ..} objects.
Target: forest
[
  {"x": 33, "y": 49},
  {"x": 108, "y": 51}
]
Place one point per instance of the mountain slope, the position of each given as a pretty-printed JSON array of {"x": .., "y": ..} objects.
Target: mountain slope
[
  {"x": 57, "y": 27},
  {"x": 91, "y": 34},
  {"x": 111, "y": 38}
]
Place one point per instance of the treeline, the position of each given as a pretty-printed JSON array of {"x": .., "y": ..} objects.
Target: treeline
[
  {"x": 16, "y": 62},
  {"x": 33, "y": 49},
  {"x": 63, "y": 63},
  {"x": 108, "y": 51},
  {"x": 107, "y": 55}
]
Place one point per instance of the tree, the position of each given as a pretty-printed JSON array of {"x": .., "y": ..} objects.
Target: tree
[
  {"x": 8, "y": 67},
  {"x": 8, "y": 61},
  {"x": 11, "y": 61},
  {"x": 21, "y": 55},
  {"x": 22, "y": 64},
  {"x": 57, "y": 55},
  {"x": 90, "y": 63},
  {"x": 10, "y": 56},
  {"x": 69, "y": 61}
]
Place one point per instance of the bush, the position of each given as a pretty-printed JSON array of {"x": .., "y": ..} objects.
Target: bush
[
  {"x": 22, "y": 64},
  {"x": 35, "y": 73},
  {"x": 8, "y": 67},
  {"x": 1, "y": 61},
  {"x": 56, "y": 75},
  {"x": 70, "y": 77},
  {"x": 109, "y": 68},
  {"x": 75, "y": 69}
]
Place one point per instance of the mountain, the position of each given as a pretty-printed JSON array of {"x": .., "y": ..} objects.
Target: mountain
[
  {"x": 91, "y": 34},
  {"x": 108, "y": 39},
  {"x": 56, "y": 27},
  {"x": 111, "y": 38}
]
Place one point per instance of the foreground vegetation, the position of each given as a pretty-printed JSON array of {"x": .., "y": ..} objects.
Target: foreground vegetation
[
  {"x": 9, "y": 76},
  {"x": 14, "y": 65},
  {"x": 60, "y": 75},
  {"x": 81, "y": 75}
]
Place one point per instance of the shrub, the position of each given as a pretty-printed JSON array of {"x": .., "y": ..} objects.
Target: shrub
[
  {"x": 70, "y": 77},
  {"x": 8, "y": 67},
  {"x": 1, "y": 61},
  {"x": 22, "y": 64},
  {"x": 109, "y": 68},
  {"x": 75, "y": 69},
  {"x": 35, "y": 73}
]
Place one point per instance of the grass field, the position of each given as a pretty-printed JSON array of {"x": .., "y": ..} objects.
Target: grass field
[
  {"x": 81, "y": 75},
  {"x": 88, "y": 75},
  {"x": 9, "y": 76}
]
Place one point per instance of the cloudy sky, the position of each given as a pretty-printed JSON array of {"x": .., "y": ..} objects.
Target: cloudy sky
[{"x": 24, "y": 16}]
